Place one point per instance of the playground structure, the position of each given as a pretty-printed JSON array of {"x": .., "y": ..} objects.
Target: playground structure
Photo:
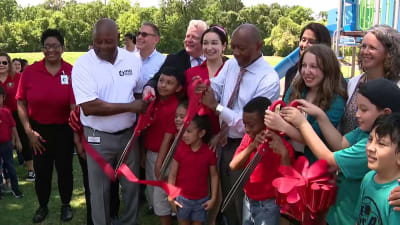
[{"x": 348, "y": 24}]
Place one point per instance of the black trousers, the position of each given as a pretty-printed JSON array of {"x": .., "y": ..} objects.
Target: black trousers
[
  {"x": 59, "y": 145},
  {"x": 26, "y": 148},
  {"x": 114, "y": 194}
]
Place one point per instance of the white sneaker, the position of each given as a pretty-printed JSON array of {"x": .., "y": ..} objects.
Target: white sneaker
[{"x": 31, "y": 176}]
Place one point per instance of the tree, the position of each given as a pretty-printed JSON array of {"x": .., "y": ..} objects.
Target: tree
[{"x": 284, "y": 37}]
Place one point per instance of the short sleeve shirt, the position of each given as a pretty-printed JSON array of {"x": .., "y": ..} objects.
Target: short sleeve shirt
[
  {"x": 373, "y": 207},
  {"x": 49, "y": 97},
  {"x": 164, "y": 122},
  {"x": 10, "y": 85},
  {"x": 193, "y": 170},
  {"x": 259, "y": 186},
  {"x": 6, "y": 124},
  {"x": 94, "y": 78},
  {"x": 353, "y": 164}
]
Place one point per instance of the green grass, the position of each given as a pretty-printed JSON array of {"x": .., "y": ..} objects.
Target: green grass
[{"x": 20, "y": 211}]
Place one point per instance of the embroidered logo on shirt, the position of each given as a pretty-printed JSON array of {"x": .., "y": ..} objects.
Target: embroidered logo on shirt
[
  {"x": 127, "y": 72},
  {"x": 10, "y": 84}
]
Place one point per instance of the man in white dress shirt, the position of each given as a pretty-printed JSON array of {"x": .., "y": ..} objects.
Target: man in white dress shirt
[
  {"x": 258, "y": 79},
  {"x": 104, "y": 81}
]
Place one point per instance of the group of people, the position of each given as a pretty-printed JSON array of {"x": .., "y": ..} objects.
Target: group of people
[{"x": 354, "y": 125}]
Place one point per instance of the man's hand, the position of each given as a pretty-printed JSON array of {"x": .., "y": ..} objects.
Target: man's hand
[
  {"x": 148, "y": 90},
  {"x": 36, "y": 142},
  {"x": 138, "y": 106},
  {"x": 209, "y": 100},
  {"x": 293, "y": 116}
]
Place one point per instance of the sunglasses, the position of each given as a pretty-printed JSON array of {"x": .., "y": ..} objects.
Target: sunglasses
[
  {"x": 5, "y": 63},
  {"x": 144, "y": 34}
]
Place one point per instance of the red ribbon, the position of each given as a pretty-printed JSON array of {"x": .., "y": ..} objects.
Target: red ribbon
[
  {"x": 305, "y": 191},
  {"x": 143, "y": 122},
  {"x": 171, "y": 190},
  {"x": 195, "y": 106}
]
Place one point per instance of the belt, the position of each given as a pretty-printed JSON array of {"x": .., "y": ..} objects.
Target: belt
[{"x": 114, "y": 133}]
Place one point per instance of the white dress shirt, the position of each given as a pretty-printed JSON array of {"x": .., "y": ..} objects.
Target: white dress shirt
[
  {"x": 260, "y": 79},
  {"x": 195, "y": 62},
  {"x": 94, "y": 78}
]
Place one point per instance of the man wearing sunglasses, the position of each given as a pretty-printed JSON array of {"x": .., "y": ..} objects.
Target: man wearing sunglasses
[
  {"x": 191, "y": 56},
  {"x": 146, "y": 40}
]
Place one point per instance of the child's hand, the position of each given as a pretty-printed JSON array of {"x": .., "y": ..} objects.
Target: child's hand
[
  {"x": 208, "y": 205},
  {"x": 259, "y": 139},
  {"x": 274, "y": 121},
  {"x": 174, "y": 204},
  {"x": 293, "y": 116},
  {"x": 310, "y": 108},
  {"x": 276, "y": 144},
  {"x": 157, "y": 169}
]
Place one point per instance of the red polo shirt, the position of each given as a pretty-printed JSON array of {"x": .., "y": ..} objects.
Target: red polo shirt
[
  {"x": 202, "y": 72},
  {"x": 193, "y": 170},
  {"x": 49, "y": 97},
  {"x": 164, "y": 122},
  {"x": 10, "y": 85},
  {"x": 259, "y": 186},
  {"x": 6, "y": 124}
]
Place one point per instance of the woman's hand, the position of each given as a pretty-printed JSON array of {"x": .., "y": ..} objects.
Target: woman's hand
[
  {"x": 293, "y": 116},
  {"x": 36, "y": 142},
  {"x": 310, "y": 108},
  {"x": 274, "y": 121}
]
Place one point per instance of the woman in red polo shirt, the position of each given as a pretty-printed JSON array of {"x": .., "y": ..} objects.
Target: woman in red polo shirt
[
  {"x": 9, "y": 80},
  {"x": 213, "y": 41},
  {"x": 45, "y": 99}
]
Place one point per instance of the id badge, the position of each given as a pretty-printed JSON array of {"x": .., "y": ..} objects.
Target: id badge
[
  {"x": 64, "y": 80},
  {"x": 94, "y": 140}
]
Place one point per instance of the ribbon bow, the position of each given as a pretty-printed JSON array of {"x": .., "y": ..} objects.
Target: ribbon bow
[{"x": 304, "y": 191}]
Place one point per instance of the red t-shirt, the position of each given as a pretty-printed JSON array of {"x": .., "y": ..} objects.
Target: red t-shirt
[
  {"x": 164, "y": 122},
  {"x": 193, "y": 170},
  {"x": 202, "y": 72},
  {"x": 10, "y": 85},
  {"x": 49, "y": 97},
  {"x": 6, "y": 124},
  {"x": 259, "y": 186}
]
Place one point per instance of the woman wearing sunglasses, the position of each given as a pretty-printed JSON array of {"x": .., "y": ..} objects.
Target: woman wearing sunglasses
[{"x": 44, "y": 100}]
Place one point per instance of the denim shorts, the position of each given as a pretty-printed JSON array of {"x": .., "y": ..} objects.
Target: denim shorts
[
  {"x": 265, "y": 212},
  {"x": 192, "y": 210}
]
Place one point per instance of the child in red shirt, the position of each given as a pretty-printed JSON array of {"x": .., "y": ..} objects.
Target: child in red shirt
[
  {"x": 169, "y": 84},
  {"x": 259, "y": 191},
  {"x": 193, "y": 163},
  {"x": 8, "y": 138}
]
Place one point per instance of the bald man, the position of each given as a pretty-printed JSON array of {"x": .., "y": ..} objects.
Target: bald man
[
  {"x": 104, "y": 81},
  {"x": 258, "y": 79}
]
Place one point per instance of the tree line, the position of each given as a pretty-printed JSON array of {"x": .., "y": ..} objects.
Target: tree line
[{"x": 21, "y": 27}]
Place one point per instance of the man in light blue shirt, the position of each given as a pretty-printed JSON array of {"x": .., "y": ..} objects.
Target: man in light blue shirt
[{"x": 146, "y": 41}]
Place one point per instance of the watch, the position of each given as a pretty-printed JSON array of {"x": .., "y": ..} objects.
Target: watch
[{"x": 219, "y": 108}]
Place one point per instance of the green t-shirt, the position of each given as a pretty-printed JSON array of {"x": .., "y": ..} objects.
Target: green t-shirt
[
  {"x": 353, "y": 164},
  {"x": 373, "y": 207}
]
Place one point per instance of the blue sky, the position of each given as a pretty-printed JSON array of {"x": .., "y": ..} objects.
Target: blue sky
[{"x": 316, "y": 5}]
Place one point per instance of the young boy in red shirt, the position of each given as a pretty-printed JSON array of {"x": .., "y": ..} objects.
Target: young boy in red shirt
[
  {"x": 169, "y": 84},
  {"x": 8, "y": 138},
  {"x": 258, "y": 189}
]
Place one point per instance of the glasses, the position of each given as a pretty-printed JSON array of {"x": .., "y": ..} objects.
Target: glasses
[
  {"x": 5, "y": 63},
  {"x": 49, "y": 47},
  {"x": 144, "y": 34}
]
